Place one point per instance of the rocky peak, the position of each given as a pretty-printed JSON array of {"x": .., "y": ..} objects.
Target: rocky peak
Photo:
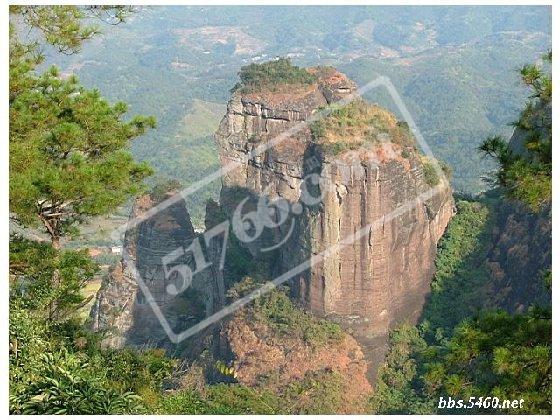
[
  {"x": 372, "y": 168},
  {"x": 292, "y": 102}
]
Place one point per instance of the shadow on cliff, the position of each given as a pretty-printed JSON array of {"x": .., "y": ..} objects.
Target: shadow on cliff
[
  {"x": 168, "y": 231},
  {"x": 267, "y": 233},
  {"x": 476, "y": 270}
]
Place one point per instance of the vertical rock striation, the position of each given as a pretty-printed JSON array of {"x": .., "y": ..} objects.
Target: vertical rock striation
[
  {"x": 374, "y": 189},
  {"x": 124, "y": 311}
]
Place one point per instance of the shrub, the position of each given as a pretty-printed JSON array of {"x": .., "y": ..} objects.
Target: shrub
[
  {"x": 220, "y": 399},
  {"x": 163, "y": 187},
  {"x": 278, "y": 311},
  {"x": 430, "y": 174},
  {"x": 318, "y": 130},
  {"x": 272, "y": 74},
  {"x": 319, "y": 392},
  {"x": 61, "y": 369},
  {"x": 447, "y": 171}
]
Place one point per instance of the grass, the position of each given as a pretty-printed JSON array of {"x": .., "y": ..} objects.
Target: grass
[{"x": 358, "y": 124}]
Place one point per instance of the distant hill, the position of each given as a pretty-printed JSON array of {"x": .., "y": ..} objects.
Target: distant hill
[{"x": 454, "y": 66}]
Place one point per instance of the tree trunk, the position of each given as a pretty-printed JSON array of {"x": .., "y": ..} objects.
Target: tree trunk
[{"x": 55, "y": 283}]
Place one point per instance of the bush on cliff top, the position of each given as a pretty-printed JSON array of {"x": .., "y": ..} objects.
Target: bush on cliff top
[
  {"x": 357, "y": 124},
  {"x": 270, "y": 75}
]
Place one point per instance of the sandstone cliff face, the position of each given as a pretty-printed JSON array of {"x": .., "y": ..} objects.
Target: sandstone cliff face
[
  {"x": 121, "y": 307},
  {"x": 373, "y": 189}
]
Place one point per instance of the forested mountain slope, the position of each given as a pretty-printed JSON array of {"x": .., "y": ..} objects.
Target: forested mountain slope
[{"x": 454, "y": 67}]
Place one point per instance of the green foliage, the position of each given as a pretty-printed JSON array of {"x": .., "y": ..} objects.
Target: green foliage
[
  {"x": 68, "y": 154},
  {"x": 65, "y": 26},
  {"x": 525, "y": 170},
  {"x": 397, "y": 389},
  {"x": 318, "y": 129},
  {"x": 69, "y": 159},
  {"x": 458, "y": 292},
  {"x": 34, "y": 265},
  {"x": 221, "y": 399},
  {"x": 497, "y": 354},
  {"x": 339, "y": 147},
  {"x": 271, "y": 75},
  {"x": 317, "y": 393},
  {"x": 59, "y": 368},
  {"x": 66, "y": 384},
  {"x": 430, "y": 173},
  {"x": 461, "y": 275},
  {"x": 278, "y": 311},
  {"x": 186, "y": 402}
]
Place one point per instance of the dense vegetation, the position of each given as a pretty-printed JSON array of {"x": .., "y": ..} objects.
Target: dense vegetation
[
  {"x": 466, "y": 346},
  {"x": 461, "y": 274},
  {"x": 271, "y": 75},
  {"x": 525, "y": 164}
]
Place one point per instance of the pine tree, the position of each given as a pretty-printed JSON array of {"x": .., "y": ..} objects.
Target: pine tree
[
  {"x": 69, "y": 160},
  {"x": 525, "y": 170},
  {"x": 69, "y": 156}
]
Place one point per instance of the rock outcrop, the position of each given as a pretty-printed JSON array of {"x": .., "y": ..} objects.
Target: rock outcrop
[
  {"x": 121, "y": 307},
  {"x": 374, "y": 188},
  {"x": 268, "y": 360},
  {"x": 342, "y": 210}
]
